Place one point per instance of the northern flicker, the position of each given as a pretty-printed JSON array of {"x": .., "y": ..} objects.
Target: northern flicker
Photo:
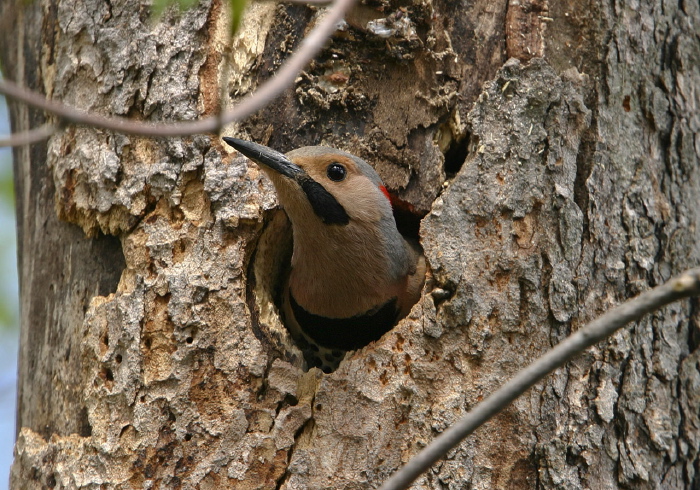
[{"x": 353, "y": 275}]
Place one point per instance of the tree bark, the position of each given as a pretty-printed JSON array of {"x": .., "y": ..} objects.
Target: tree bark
[{"x": 550, "y": 151}]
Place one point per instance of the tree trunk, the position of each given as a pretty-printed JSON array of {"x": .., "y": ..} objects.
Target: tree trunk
[{"x": 550, "y": 151}]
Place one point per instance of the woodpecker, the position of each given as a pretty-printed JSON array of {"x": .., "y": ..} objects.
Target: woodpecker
[{"x": 353, "y": 276}]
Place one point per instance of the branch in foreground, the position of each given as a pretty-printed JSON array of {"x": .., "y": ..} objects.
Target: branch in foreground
[
  {"x": 311, "y": 45},
  {"x": 31, "y": 136},
  {"x": 682, "y": 286}
]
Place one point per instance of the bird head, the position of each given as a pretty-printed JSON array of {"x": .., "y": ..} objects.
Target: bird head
[{"x": 318, "y": 184}]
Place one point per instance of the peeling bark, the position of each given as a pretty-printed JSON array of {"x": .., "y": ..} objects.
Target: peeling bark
[{"x": 552, "y": 186}]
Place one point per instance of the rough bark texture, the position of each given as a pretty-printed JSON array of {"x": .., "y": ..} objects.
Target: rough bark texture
[
  {"x": 554, "y": 185},
  {"x": 60, "y": 269}
]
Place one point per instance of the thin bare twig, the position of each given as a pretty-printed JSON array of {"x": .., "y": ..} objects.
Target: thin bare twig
[
  {"x": 311, "y": 45},
  {"x": 31, "y": 136},
  {"x": 683, "y": 286}
]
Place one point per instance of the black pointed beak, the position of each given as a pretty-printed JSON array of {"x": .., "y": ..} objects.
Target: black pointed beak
[
  {"x": 323, "y": 203},
  {"x": 266, "y": 156}
]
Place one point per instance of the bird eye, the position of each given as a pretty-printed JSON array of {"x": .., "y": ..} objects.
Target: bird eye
[{"x": 336, "y": 172}]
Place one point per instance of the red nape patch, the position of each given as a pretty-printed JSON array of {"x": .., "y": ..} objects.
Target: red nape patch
[{"x": 385, "y": 192}]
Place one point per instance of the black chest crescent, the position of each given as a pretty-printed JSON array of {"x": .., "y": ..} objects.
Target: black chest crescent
[{"x": 346, "y": 333}]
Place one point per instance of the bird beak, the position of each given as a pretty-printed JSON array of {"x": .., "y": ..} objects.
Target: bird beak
[{"x": 268, "y": 157}]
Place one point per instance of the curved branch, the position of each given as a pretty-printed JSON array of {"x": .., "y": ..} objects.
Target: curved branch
[
  {"x": 683, "y": 286},
  {"x": 31, "y": 136},
  {"x": 311, "y": 45}
]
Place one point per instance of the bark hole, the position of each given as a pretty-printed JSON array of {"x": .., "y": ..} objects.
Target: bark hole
[
  {"x": 455, "y": 156},
  {"x": 290, "y": 400},
  {"x": 189, "y": 335}
]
